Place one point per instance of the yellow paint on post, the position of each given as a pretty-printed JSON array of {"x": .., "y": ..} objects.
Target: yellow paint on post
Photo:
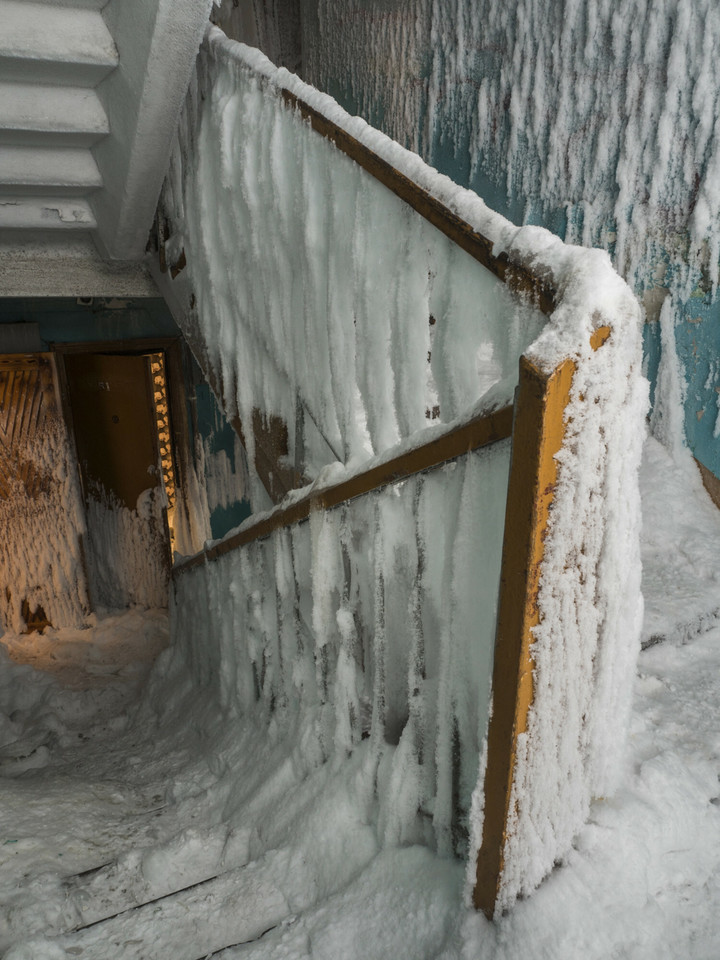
[{"x": 538, "y": 434}]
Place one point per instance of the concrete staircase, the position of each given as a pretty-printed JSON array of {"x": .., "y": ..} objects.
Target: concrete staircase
[
  {"x": 52, "y": 57},
  {"x": 90, "y": 94}
]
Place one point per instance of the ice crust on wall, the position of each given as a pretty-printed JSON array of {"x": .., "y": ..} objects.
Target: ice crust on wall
[
  {"x": 127, "y": 552},
  {"x": 40, "y": 547},
  {"x": 339, "y": 647},
  {"x": 316, "y": 286},
  {"x": 191, "y": 520},
  {"x": 604, "y": 108},
  {"x": 226, "y": 482},
  {"x": 375, "y": 620}
]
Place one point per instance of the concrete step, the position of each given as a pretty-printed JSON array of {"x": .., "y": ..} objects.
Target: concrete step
[
  {"x": 38, "y": 114},
  {"x": 234, "y": 908},
  {"x": 44, "y": 43},
  {"x": 45, "y": 213},
  {"x": 35, "y": 171}
]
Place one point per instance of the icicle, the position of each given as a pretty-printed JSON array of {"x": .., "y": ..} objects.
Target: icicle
[{"x": 668, "y": 410}]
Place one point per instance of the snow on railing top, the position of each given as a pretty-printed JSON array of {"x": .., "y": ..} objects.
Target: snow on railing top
[{"x": 530, "y": 259}]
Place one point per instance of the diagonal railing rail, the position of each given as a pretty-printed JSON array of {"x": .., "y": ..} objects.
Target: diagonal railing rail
[{"x": 480, "y": 431}]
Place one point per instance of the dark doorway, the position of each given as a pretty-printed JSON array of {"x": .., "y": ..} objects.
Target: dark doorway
[
  {"x": 114, "y": 410},
  {"x": 113, "y": 414}
]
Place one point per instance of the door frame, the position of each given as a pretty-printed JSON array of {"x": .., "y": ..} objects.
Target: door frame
[{"x": 172, "y": 351}]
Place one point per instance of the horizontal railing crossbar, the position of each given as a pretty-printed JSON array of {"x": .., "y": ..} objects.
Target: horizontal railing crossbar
[{"x": 481, "y": 431}]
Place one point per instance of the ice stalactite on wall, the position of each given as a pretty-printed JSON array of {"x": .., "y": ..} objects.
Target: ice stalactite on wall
[
  {"x": 604, "y": 110},
  {"x": 127, "y": 551},
  {"x": 41, "y": 513}
]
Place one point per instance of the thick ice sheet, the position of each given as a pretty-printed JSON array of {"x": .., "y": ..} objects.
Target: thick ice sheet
[
  {"x": 373, "y": 621},
  {"x": 319, "y": 293}
]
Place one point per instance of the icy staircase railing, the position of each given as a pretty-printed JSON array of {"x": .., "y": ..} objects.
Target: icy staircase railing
[
  {"x": 481, "y": 430},
  {"x": 569, "y": 609}
]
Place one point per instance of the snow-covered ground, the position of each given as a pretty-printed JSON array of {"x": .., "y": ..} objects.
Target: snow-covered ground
[{"x": 119, "y": 786}]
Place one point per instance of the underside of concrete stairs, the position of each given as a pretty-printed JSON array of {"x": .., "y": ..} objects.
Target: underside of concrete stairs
[{"x": 90, "y": 94}]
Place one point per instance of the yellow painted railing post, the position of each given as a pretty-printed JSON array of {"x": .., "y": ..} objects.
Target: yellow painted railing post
[{"x": 538, "y": 433}]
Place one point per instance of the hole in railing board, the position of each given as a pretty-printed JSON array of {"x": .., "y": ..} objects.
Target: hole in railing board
[
  {"x": 599, "y": 337},
  {"x": 179, "y": 265},
  {"x": 395, "y": 722},
  {"x": 35, "y": 620}
]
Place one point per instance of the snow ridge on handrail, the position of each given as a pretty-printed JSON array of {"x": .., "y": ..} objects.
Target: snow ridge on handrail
[{"x": 482, "y": 430}]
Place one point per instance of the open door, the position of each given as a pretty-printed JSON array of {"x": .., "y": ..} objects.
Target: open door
[{"x": 114, "y": 417}]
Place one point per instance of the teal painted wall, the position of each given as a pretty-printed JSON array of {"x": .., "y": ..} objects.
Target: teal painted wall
[
  {"x": 595, "y": 120},
  {"x": 218, "y": 436},
  {"x": 68, "y": 321}
]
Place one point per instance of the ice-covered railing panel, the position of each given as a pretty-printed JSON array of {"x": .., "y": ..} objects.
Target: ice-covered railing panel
[
  {"x": 569, "y": 613},
  {"x": 570, "y": 604},
  {"x": 319, "y": 293},
  {"x": 374, "y": 619}
]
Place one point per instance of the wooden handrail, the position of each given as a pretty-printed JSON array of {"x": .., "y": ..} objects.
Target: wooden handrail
[
  {"x": 537, "y": 437},
  {"x": 518, "y": 277},
  {"x": 537, "y": 426},
  {"x": 481, "y": 431}
]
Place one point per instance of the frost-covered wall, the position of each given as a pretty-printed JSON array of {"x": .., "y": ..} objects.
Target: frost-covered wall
[
  {"x": 271, "y": 25},
  {"x": 595, "y": 118},
  {"x": 604, "y": 108},
  {"x": 316, "y": 289}
]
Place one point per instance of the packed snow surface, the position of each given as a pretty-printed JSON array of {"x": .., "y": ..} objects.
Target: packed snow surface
[
  {"x": 163, "y": 791},
  {"x": 681, "y": 571}
]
